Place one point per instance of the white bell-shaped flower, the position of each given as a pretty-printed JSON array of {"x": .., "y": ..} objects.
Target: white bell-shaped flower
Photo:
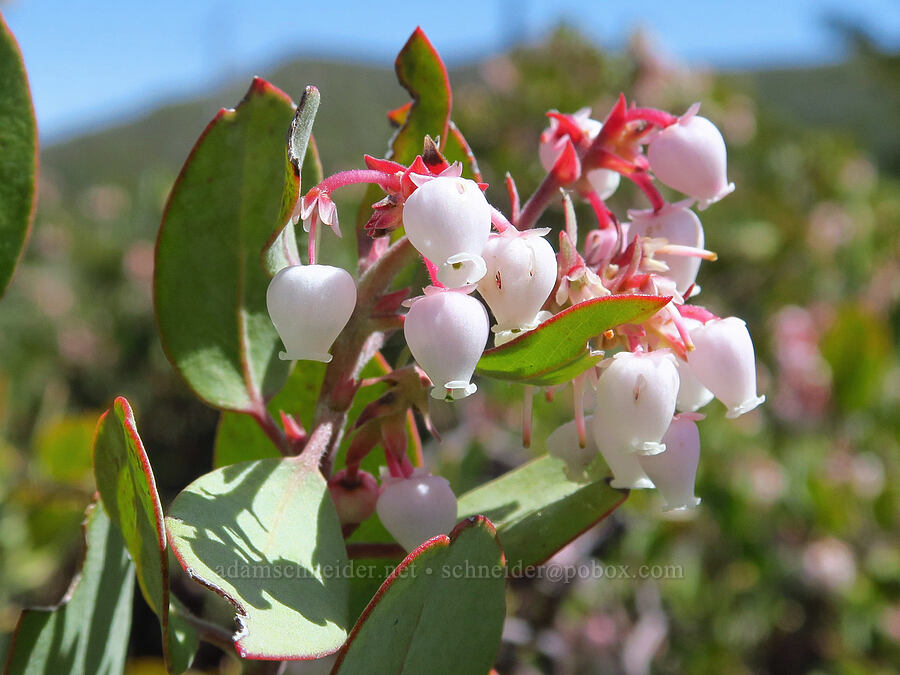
[
  {"x": 624, "y": 465},
  {"x": 562, "y": 443},
  {"x": 692, "y": 395},
  {"x": 724, "y": 362},
  {"x": 416, "y": 508},
  {"x": 446, "y": 332},
  {"x": 310, "y": 305},
  {"x": 603, "y": 181},
  {"x": 679, "y": 226},
  {"x": 521, "y": 273},
  {"x": 448, "y": 220},
  {"x": 675, "y": 470},
  {"x": 690, "y": 156},
  {"x": 635, "y": 402}
]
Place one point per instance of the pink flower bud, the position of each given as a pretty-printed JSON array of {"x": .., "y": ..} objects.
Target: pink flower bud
[
  {"x": 678, "y": 225},
  {"x": 690, "y": 156},
  {"x": 448, "y": 220},
  {"x": 417, "y": 508},
  {"x": 521, "y": 273},
  {"x": 310, "y": 305},
  {"x": 675, "y": 470},
  {"x": 724, "y": 362},
  {"x": 354, "y": 502},
  {"x": 625, "y": 468},
  {"x": 635, "y": 402},
  {"x": 603, "y": 181},
  {"x": 446, "y": 332}
]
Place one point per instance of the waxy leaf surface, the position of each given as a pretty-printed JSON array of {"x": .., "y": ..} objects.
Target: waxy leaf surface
[
  {"x": 557, "y": 350},
  {"x": 87, "y": 634},
  {"x": 265, "y": 536},
  {"x": 210, "y": 286},
  {"x": 537, "y": 510},
  {"x": 440, "y": 611},
  {"x": 128, "y": 490},
  {"x": 18, "y": 155}
]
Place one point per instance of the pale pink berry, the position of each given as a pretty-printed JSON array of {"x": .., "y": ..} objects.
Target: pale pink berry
[
  {"x": 446, "y": 332},
  {"x": 417, "y": 508},
  {"x": 679, "y": 226},
  {"x": 690, "y": 156},
  {"x": 624, "y": 465},
  {"x": 635, "y": 402},
  {"x": 310, "y": 305},
  {"x": 675, "y": 470},
  {"x": 521, "y": 273},
  {"x": 724, "y": 362},
  {"x": 448, "y": 220}
]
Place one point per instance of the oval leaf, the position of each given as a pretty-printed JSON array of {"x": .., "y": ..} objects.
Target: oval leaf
[
  {"x": 209, "y": 285},
  {"x": 548, "y": 352},
  {"x": 128, "y": 489},
  {"x": 537, "y": 510},
  {"x": 87, "y": 633},
  {"x": 18, "y": 155},
  {"x": 266, "y": 537},
  {"x": 440, "y": 611}
]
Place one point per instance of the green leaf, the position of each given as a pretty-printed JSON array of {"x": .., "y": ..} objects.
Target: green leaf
[
  {"x": 128, "y": 490},
  {"x": 265, "y": 536},
  {"x": 210, "y": 288},
  {"x": 240, "y": 439},
  {"x": 537, "y": 510},
  {"x": 457, "y": 149},
  {"x": 557, "y": 350},
  {"x": 87, "y": 633},
  {"x": 18, "y": 155},
  {"x": 422, "y": 73},
  {"x": 441, "y": 610},
  {"x": 281, "y": 249}
]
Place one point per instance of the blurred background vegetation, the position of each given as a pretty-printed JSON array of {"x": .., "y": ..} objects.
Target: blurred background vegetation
[{"x": 792, "y": 564}]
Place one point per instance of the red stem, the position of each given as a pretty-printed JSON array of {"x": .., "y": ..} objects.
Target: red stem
[
  {"x": 645, "y": 183},
  {"x": 387, "y": 182},
  {"x": 660, "y": 118}
]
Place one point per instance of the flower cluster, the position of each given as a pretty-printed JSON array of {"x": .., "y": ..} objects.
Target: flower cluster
[{"x": 644, "y": 397}]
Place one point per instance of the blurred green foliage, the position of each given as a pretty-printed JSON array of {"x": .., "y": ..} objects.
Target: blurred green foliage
[{"x": 792, "y": 563}]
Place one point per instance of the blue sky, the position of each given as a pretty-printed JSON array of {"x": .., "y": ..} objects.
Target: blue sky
[{"x": 92, "y": 63}]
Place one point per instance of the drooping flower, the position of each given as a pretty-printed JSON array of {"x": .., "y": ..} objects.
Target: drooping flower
[
  {"x": 675, "y": 470},
  {"x": 724, "y": 362},
  {"x": 521, "y": 273},
  {"x": 625, "y": 468},
  {"x": 635, "y": 402},
  {"x": 692, "y": 395},
  {"x": 354, "y": 500},
  {"x": 416, "y": 508},
  {"x": 681, "y": 229},
  {"x": 690, "y": 156},
  {"x": 448, "y": 220},
  {"x": 563, "y": 444},
  {"x": 310, "y": 305},
  {"x": 446, "y": 331}
]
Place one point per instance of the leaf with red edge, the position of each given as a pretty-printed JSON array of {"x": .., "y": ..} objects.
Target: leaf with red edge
[
  {"x": 538, "y": 510},
  {"x": 265, "y": 536},
  {"x": 87, "y": 633},
  {"x": 128, "y": 489},
  {"x": 423, "y": 74},
  {"x": 441, "y": 609},
  {"x": 557, "y": 350},
  {"x": 18, "y": 156},
  {"x": 209, "y": 285}
]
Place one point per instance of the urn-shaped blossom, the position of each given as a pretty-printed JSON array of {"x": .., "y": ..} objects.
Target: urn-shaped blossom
[
  {"x": 602, "y": 181},
  {"x": 724, "y": 362},
  {"x": 354, "y": 500},
  {"x": 679, "y": 226},
  {"x": 563, "y": 444},
  {"x": 690, "y": 156},
  {"x": 416, "y": 508},
  {"x": 635, "y": 402},
  {"x": 692, "y": 395},
  {"x": 446, "y": 332},
  {"x": 623, "y": 464},
  {"x": 448, "y": 220},
  {"x": 310, "y": 305},
  {"x": 521, "y": 273},
  {"x": 675, "y": 470}
]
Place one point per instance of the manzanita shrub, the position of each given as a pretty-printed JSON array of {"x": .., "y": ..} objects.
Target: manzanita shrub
[{"x": 321, "y": 523}]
